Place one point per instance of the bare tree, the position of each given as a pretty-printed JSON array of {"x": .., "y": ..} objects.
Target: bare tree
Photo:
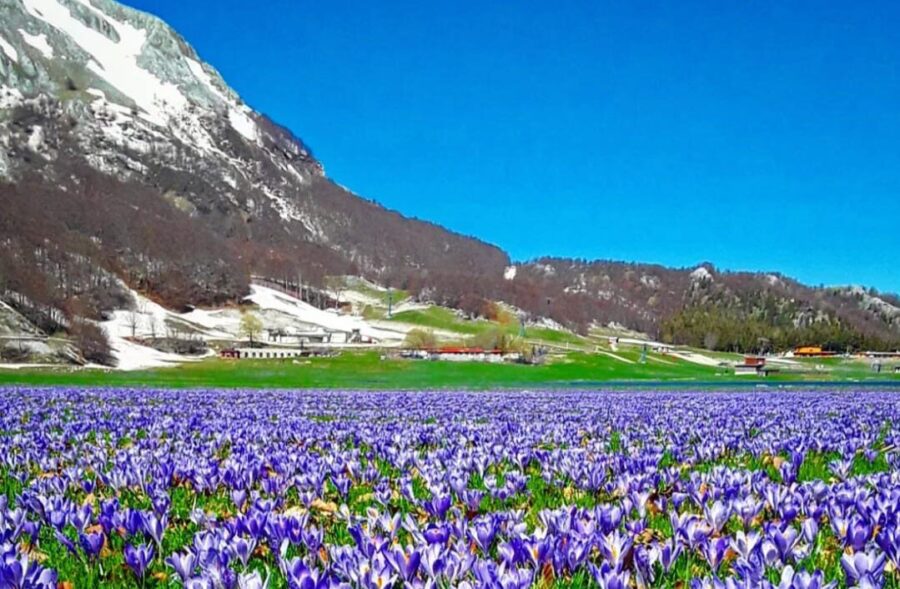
[
  {"x": 133, "y": 321},
  {"x": 336, "y": 286}
]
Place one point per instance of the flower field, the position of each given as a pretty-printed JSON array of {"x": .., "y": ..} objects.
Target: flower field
[{"x": 311, "y": 490}]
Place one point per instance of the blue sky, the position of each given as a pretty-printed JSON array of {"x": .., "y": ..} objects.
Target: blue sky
[{"x": 755, "y": 135}]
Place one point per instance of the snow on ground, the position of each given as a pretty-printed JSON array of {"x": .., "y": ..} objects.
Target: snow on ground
[
  {"x": 410, "y": 305},
  {"x": 360, "y": 299},
  {"x": 509, "y": 273},
  {"x": 218, "y": 323},
  {"x": 26, "y": 366},
  {"x": 132, "y": 356},
  {"x": 547, "y": 323},
  {"x": 273, "y": 300},
  {"x": 276, "y": 310},
  {"x": 238, "y": 115},
  {"x": 616, "y": 357},
  {"x": 39, "y": 42},
  {"x": 696, "y": 358},
  {"x": 150, "y": 319},
  {"x": 785, "y": 361},
  {"x": 8, "y": 49}
]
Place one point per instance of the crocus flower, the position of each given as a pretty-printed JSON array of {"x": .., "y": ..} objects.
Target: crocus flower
[
  {"x": 91, "y": 543},
  {"x": 253, "y": 581},
  {"x": 803, "y": 580},
  {"x": 184, "y": 564},
  {"x": 615, "y": 547},
  {"x": 608, "y": 578},
  {"x": 138, "y": 558},
  {"x": 863, "y": 568}
]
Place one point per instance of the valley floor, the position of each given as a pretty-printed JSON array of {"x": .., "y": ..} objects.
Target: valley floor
[{"x": 369, "y": 371}]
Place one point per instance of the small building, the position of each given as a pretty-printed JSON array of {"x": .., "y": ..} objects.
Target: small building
[
  {"x": 882, "y": 355},
  {"x": 462, "y": 354},
  {"x": 812, "y": 352},
  {"x": 267, "y": 353},
  {"x": 753, "y": 366}
]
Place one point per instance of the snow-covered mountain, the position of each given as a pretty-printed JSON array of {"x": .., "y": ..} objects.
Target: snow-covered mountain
[
  {"x": 140, "y": 92},
  {"x": 93, "y": 92}
]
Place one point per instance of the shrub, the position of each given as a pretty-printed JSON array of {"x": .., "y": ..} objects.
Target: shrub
[{"x": 420, "y": 339}]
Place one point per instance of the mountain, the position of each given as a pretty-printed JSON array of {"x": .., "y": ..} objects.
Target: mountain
[
  {"x": 122, "y": 150},
  {"x": 128, "y": 162}
]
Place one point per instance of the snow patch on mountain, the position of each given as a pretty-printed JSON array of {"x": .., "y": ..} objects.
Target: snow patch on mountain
[
  {"x": 9, "y": 50},
  {"x": 243, "y": 124},
  {"x": 9, "y": 97},
  {"x": 39, "y": 42},
  {"x": 36, "y": 139},
  {"x": 116, "y": 61},
  {"x": 701, "y": 274},
  {"x": 510, "y": 273},
  {"x": 197, "y": 69}
]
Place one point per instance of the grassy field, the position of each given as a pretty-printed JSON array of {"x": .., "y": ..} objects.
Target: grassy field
[
  {"x": 369, "y": 371},
  {"x": 439, "y": 318}
]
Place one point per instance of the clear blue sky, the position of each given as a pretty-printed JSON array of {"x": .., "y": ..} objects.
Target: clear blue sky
[{"x": 757, "y": 135}]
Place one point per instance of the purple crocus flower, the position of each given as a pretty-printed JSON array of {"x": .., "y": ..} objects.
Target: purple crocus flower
[
  {"x": 864, "y": 569},
  {"x": 92, "y": 543},
  {"x": 858, "y": 533},
  {"x": 615, "y": 547},
  {"x": 138, "y": 558},
  {"x": 609, "y": 578},
  {"x": 669, "y": 551},
  {"x": 717, "y": 515},
  {"x": 252, "y": 581},
  {"x": 810, "y": 530},
  {"x": 184, "y": 564},
  {"x": 515, "y": 578},
  {"x": 714, "y": 552},
  {"x": 299, "y": 576},
  {"x": 888, "y": 539},
  {"x": 154, "y": 527},
  {"x": 437, "y": 534},
  {"x": 21, "y": 573},
  {"x": 438, "y": 506},
  {"x": 781, "y": 546},
  {"x": 405, "y": 562},
  {"x": 243, "y": 549},
  {"x": 482, "y": 531},
  {"x": 239, "y": 498},
  {"x": 803, "y": 580}
]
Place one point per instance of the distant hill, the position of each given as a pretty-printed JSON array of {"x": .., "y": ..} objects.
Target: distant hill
[{"x": 703, "y": 307}]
